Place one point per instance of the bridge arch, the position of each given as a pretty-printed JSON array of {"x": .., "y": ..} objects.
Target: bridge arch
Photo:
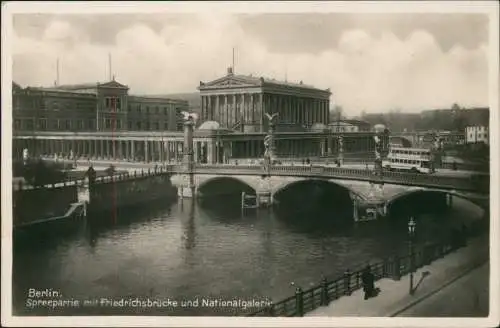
[
  {"x": 315, "y": 200},
  {"x": 475, "y": 199},
  {"x": 481, "y": 202},
  {"x": 225, "y": 184},
  {"x": 280, "y": 187}
]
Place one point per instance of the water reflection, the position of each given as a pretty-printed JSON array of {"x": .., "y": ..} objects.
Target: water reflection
[
  {"x": 189, "y": 249},
  {"x": 187, "y": 207}
]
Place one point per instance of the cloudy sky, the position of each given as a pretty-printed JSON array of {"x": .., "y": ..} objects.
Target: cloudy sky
[{"x": 371, "y": 62}]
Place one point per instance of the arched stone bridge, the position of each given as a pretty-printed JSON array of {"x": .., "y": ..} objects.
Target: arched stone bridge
[{"x": 368, "y": 193}]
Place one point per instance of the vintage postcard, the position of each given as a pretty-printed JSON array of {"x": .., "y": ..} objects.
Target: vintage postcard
[{"x": 250, "y": 163}]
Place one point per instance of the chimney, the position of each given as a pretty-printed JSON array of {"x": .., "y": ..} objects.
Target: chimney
[{"x": 229, "y": 71}]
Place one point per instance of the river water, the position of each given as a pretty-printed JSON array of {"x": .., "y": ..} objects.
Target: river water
[{"x": 184, "y": 251}]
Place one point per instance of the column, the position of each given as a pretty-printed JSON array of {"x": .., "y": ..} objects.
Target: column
[
  {"x": 126, "y": 144},
  {"x": 234, "y": 115},
  {"x": 203, "y": 112},
  {"x": 217, "y": 109},
  {"x": 166, "y": 153},
  {"x": 252, "y": 109},
  {"x": 225, "y": 112},
  {"x": 146, "y": 151},
  {"x": 132, "y": 150}
]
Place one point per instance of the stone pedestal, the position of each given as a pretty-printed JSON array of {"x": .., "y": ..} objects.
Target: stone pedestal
[
  {"x": 264, "y": 199},
  {"x": 186, "y": 192},
  {"x": 264, "y": 194}
]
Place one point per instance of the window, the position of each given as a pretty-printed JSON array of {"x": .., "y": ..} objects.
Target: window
[
  {"x": 29, "y": 124},
  {"x": 148, "y": 126},
  {"x": 157, "y": 110},
  {"x": 156, "y": 125},
  {"x": 118, "y": 103},
  {"x": 129, "y": 108},
  {"x": 139, "y": 125},
  {"x": 42, "y": 124},
  {"x": 91, "y": 124},
  {"x": 55, "y": 124},
  {"x": 17, "y": 124},
  {"x": 107, "y": 102},
  {"x": 147, "y": 109},
  {"x": 165, "y": 110},
  {"x": 138, "y": 108},
  {"x": 67, "y": 124},
  {"x": 55, "y": 106},
  {"x": 107, "y": 123},
  {"x": 118, "y": 124},
  {"x": 80, "y": 125},
  {"x": 165, "y": 125},
  {"x": 129, "y": 125}
]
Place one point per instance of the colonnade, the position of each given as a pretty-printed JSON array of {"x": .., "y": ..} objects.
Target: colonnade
[
  {"x": 305, "y": 147},
  {"x": 248, "y": 108},
  {"x": 129, "y": 150},
  {"x": 206, "y": 150}
]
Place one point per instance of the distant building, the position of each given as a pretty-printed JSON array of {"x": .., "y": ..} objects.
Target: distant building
[
  {"x": 349, "y": 126},
  {"x": 92, "y": 107},
  {"x": 398, "y": 141},
  {"x": 477, "y": 134}
]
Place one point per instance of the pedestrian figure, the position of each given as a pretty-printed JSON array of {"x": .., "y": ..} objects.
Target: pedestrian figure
[
  {"x": 91, "y": 174},
  {"x": 368, "y": 280}
]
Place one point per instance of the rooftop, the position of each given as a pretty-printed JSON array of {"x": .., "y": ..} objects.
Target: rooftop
[{"x": 234, "y": 79}]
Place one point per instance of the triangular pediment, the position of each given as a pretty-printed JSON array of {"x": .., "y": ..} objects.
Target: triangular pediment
[
  {"x": 231, "y": 81},
  {"x": 113, "y": 84}
]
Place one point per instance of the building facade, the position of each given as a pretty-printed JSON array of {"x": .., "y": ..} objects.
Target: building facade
[
  {"x": 240, "y": 102},
  {"x": 93, "y": 107},
  {"x": 350, "y": 126},
  {"x": 237, "y": 110},
  {"x": 477, "y": 134},
  {"x": 235, "y": 113}
]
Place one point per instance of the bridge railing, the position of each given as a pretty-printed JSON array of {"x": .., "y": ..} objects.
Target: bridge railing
[
  {"x": 428, "y": 180},
  {"x": 121, "y": 176},
  {"x": 481, "y": 183},
  {"x": 327, "y": 290}
]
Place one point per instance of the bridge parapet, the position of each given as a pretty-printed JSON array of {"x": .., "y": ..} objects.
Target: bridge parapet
[
  {"x": 410, "y": 179},
  {"x": 300, "y": 171}
]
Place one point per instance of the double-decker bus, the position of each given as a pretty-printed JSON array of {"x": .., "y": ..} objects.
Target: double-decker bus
[{"x": 409, "y": 159}]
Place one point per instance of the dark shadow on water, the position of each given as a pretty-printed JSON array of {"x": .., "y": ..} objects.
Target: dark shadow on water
[{"x": 50, "y": 235}]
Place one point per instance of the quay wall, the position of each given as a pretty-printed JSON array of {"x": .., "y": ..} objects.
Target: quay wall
[
  {"x": 129, "y": 190},
  {"x": 40, "y": 203}
]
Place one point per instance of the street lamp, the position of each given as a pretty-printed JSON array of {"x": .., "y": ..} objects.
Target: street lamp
[
  {"x": 299, "y": 301},
  {"x": 411, "y": 234}
]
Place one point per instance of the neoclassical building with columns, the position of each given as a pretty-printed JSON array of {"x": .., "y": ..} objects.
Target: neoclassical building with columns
[
  {"x": 239, "y": 102},
  {"x": 232, "y": 126}
]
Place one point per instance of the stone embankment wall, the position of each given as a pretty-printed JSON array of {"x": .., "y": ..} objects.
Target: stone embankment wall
[
  {"x": 128, "y": 190},
  {"x": 40, "y": 203}
]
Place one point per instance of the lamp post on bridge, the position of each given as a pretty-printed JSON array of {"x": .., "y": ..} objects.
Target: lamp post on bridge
[
  {"x": 299, "y": 300},
  {"x": 411, "y": 234}
]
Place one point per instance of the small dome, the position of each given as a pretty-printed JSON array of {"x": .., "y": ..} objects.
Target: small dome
[
  {"x": 318, "y": 127},
  {"x": 209, "y": 125},
  {"x": 379, "y": 127}
]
